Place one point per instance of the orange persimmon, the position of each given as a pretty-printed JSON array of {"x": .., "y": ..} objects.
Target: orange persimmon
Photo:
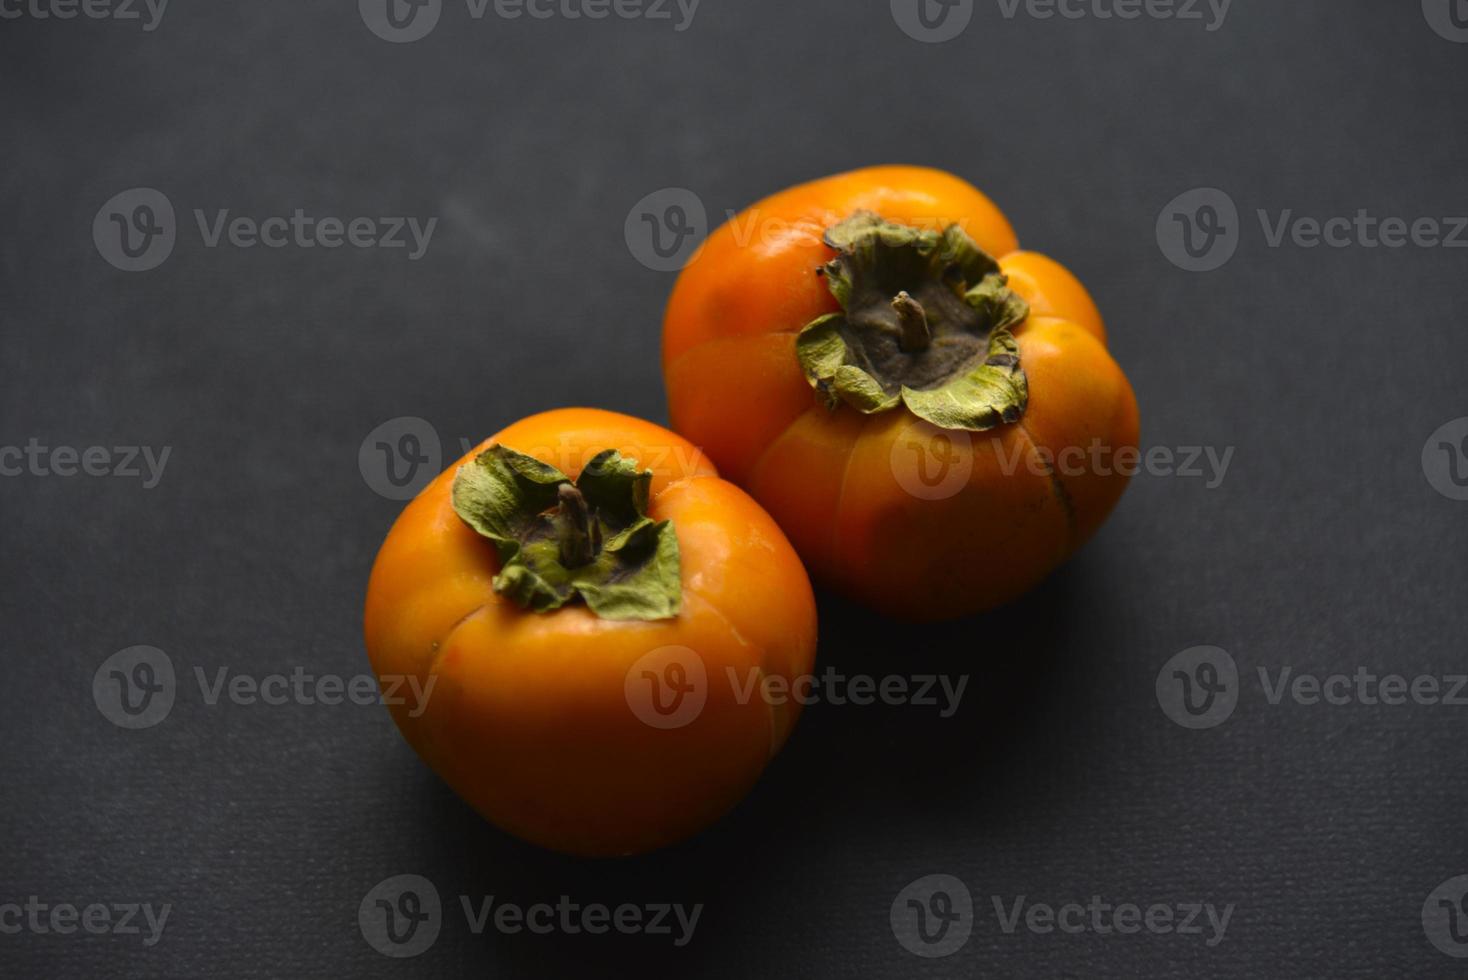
[
  {"x": 930, "y": 413},
  {"x": 590, "y": 603}
]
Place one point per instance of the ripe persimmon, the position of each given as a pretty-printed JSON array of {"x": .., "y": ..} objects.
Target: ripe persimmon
[
  {"x": 579, "y": 591},
  {"x": 930, "y": 413}
]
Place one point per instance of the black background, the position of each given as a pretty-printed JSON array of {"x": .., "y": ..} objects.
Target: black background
[{"x": 1324, "y": 549}]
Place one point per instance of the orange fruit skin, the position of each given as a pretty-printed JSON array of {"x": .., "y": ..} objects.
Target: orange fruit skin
[
  {"x": 848, "y": 488},
  {"x": 529, "y": 718}
]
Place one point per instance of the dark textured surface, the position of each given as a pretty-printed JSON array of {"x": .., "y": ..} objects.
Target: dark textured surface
[{"x": 1059, "y": 778}]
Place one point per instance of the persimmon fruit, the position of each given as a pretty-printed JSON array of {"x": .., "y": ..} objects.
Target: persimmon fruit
[
  {"x": 590, "y": 601},
  {"x": 929, "y": 412}
]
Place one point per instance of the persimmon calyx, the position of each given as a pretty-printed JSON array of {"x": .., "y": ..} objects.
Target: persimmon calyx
[
  {"x": 926, "y": 323},
  {"x": 559, "y": 540}
]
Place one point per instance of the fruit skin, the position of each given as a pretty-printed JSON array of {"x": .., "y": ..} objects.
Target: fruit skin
[
  {"x": 831, "y": 477},
  {"x": 529, "y": 717}
]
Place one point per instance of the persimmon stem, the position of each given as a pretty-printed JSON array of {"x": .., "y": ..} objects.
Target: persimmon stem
[
  {"x": 579, "y": 535},
  {"x": 916, "y": 334},
  {"x": 926, "y": 324}
]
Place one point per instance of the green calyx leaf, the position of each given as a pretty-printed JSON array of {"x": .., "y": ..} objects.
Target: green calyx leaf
[
  {"x": 926, "y": 322},
  {"x": 558, "y": 540}
]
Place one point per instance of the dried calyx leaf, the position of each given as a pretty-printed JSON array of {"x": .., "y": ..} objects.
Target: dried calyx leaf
[
  {"x": 559, "y": 540},
  {"x": 926, "y": 323}
]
